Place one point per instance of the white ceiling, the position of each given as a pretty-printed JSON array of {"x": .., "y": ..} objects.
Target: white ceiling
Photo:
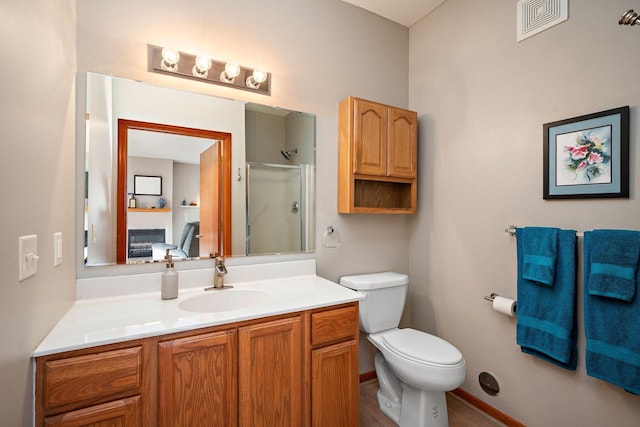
[
  {"x": 405, "y": 12},
  {"x": 158, "y": 145}
]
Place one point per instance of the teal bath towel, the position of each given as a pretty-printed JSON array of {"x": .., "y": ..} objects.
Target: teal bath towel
[
  {"x": 614, "y": 261},
  {"x": 612, "y": 324},
  {"x": 546, "y": 323},
  {"x": 540, "y": 247}
]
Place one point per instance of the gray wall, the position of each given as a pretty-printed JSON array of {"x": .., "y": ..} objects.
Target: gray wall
[
  {"x": 37, "y": 160},
  {"x": 482, "y": 99}
]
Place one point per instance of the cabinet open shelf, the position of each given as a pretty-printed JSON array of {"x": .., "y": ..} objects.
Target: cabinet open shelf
[{"x": 381, "y": 195}]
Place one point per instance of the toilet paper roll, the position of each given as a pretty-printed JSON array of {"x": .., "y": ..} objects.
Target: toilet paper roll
[{"x": 505, "y": 306}]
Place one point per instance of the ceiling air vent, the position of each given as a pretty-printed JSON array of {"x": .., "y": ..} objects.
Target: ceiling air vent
[{"x": 535, "y": 16}]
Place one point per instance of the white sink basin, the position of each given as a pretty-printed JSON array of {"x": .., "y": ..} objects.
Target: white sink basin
[{"x": 224, "y": 300}]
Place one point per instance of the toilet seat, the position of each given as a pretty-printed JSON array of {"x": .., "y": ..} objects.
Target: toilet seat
[{"x": 422, "y": 348}]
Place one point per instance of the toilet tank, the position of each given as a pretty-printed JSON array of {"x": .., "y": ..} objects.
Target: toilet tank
[{"x": 385, "y": 297}]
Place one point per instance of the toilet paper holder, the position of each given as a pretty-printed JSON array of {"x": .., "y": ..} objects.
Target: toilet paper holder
[
  {"x": 503, "y": 305},
  {"x": 491, "y": 297}
]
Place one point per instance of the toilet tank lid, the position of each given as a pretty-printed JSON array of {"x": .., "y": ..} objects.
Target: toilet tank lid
[{"x": 362, "y": 282}]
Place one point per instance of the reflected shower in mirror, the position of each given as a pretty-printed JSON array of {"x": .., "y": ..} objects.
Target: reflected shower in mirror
[
  {"x": 123, "y": 227},
  {"x": 280, "y": 181},
  {"x": 277, "y": 220}
]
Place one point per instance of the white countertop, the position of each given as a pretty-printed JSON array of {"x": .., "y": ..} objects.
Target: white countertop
[{"x": 106, "y": 320}]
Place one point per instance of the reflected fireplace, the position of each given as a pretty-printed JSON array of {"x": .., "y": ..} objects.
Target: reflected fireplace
[{"x": 141, "y": 240}]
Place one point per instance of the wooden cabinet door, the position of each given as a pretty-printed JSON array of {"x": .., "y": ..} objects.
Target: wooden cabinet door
[
  {"x": 403, "y": 136},
  {"x": 335, "y": 392},
  {"x": 210, "y": 201},
  {"x": 121, "y": 413},
  {"x": 270, "y": 374},
  {"x": 369, "y": 138},
  {"x": 197, "y": 381}
]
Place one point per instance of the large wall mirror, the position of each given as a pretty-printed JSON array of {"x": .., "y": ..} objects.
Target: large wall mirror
[{"x": 236, "y": 178}]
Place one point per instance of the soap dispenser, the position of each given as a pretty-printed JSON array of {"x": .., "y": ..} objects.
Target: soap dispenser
[{"x": 169, "y": 286}]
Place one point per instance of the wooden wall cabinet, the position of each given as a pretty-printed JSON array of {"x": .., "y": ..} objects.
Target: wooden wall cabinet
[
  {"x": 377, "y": 159},
  {"x": 297, "y": 369}
]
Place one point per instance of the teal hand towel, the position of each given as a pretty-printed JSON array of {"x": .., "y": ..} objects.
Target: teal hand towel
[
  {"x": 546, "y": 323},
  {"x": 611, "y": 329},
  {"x": 540, "y": 246},
  {"x": 614, "y": 263}
]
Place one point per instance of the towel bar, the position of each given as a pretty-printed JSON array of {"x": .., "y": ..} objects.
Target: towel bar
[{"x": 512, "y": 230}]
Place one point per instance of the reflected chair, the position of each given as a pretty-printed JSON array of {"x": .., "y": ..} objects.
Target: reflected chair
[{"x": 188, "y": 246}]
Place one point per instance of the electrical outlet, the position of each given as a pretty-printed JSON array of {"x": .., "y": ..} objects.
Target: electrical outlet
[
  {"x": 57, "y": 249},
  {"x": 27, "y": 256}
]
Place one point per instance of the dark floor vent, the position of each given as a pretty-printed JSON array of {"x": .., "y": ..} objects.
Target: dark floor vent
[{"x": 489, "y": 383}]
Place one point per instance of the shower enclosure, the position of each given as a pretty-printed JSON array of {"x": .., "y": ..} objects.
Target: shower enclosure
[{"x": 279, "y": 207}]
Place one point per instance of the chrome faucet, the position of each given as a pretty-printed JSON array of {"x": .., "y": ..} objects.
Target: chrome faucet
[{"x": 219, "y": 271}]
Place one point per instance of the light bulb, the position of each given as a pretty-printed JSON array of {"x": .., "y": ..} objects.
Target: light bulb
[
  {"x": 170, "y": 58},
  {"x": 254, "y": 80},
  {"x": 259, "y": 75},
  {"x": 201, "y": 69},
  {"x": 231, "y": 71}
]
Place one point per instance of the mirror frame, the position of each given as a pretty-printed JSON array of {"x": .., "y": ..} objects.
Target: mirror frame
[{"x": 224, "y": 178}]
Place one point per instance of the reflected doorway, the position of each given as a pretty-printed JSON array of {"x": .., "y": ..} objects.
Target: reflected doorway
[{"x": 214, "y": 228}]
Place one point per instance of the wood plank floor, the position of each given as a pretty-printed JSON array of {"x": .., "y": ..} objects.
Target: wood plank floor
[{"x": 461, "y": 414}]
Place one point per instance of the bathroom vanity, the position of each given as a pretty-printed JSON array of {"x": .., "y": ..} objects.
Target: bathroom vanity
[{"x": 283, "y": 352}]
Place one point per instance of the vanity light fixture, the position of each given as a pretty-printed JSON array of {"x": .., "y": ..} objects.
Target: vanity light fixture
[{"x": 205, "y": 69}]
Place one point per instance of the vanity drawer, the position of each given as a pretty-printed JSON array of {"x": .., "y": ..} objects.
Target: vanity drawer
[
  {"x": 333, "y": 326},
  {"x": 91, "y": 378}
]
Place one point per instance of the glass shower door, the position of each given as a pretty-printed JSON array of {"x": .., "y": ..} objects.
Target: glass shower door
[{"x": 274, "y": 209}]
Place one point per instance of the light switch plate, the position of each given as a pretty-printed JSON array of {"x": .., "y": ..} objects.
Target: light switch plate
[
  {"x": 27, "y": 256},
  {"x": 57, "y": 249}
]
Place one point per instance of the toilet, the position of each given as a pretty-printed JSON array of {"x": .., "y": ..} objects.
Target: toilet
[{"x": 414, "y": 369}]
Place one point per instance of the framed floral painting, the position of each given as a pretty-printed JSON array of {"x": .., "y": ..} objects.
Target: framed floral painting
[{"x": 587, "y": 156}]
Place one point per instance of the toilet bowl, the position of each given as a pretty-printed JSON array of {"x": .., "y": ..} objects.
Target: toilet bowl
[
  {"x": 421, "y": 359},
  {"x": 414, "y": 369}
]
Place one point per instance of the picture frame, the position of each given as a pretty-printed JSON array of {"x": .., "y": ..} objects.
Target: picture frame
[
  {"x": 587, "y": 156},
  {"x": 145, "y": 185}
]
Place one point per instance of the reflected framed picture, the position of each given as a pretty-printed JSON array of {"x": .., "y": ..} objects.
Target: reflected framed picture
[
  {"x": 587, "y": 156},
  {"x": 144, "y": 185}
]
